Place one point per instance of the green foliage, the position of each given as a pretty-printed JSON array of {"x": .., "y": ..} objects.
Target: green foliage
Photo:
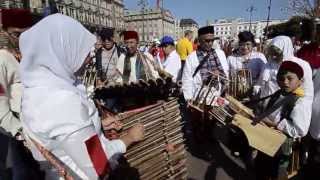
[{"x": 298, "y": 26}]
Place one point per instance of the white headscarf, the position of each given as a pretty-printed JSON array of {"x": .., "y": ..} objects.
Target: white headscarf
[
  {"x": 285, "y": 44},
  {"x": 52, "y": 51}
]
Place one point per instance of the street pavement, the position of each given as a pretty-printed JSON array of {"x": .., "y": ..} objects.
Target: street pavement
[{"x": 212, "y": 160}]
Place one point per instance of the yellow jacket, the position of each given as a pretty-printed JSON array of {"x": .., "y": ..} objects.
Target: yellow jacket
[{"x": 184, "y": 48}]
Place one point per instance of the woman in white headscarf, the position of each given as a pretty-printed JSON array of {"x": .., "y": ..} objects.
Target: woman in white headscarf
[
  {"x": 281, "y": 49},
  {"x": 55, "y": 109}
]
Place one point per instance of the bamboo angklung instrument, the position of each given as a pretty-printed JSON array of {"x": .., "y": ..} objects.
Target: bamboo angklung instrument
[
  {"x": 240, "y": 83},
  {"x": 228, "y": 110},
  {"x": 161, "y": 155},
  {"x": 89, "y": 76}
]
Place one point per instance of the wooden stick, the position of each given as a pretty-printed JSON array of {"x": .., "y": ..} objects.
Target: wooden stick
[{"x": 54, "y": 161}]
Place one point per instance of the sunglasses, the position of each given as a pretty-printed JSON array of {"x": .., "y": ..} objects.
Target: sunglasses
[
  {"x": 208, "y": 40},
  {"x": 248, "y": 44},
  {"x": 109, "y": 39}
]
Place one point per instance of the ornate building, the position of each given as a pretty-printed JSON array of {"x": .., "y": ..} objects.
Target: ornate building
[
  {"x": 151, "y": 23},
  {"x": 229, "y": 28},
  {"x": 12, "y": 3},
  {"x": 92, "y": 13},
  {"x": 187, "y": 24}
]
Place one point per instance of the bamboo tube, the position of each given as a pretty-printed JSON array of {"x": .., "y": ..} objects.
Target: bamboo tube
[
  {"x": 156, "y": 173},
  {"x": 146, "y": 155},
  {"x": 149, "y": 164}
]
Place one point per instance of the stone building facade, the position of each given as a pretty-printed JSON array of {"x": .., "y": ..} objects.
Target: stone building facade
[
  {"x": 184, "y": 25},
  {"x": 151, "y": 23},
  {"x": 92, "y": 13},
  {"x": 229, "y": 28}
]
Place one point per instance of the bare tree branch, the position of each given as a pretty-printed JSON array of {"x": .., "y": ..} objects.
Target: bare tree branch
[{"x": 303, "y": 8}]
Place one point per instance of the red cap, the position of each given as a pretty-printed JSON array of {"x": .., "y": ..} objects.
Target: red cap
[
  {"x": 291, "y": 67},
  {"x": 20, "y": 18},
  {"x": 130, "y": 35}
]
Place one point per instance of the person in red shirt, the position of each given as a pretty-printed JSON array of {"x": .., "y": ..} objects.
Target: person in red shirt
[{"x": 311, "y": 54}]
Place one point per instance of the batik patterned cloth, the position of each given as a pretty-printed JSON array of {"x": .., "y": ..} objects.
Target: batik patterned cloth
[{"x": 211, "y": 64}]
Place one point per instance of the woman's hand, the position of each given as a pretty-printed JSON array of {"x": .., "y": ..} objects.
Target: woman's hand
[
  {"x": 269, "y": 123},
  {"x": 136, "y": 132},
  {"x": 111, "y": 122}
]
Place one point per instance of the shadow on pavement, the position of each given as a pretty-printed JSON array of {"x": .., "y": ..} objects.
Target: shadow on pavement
[{"x": 218, "y": 155}]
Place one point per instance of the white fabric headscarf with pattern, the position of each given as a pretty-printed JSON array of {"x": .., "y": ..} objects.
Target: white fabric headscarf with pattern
[
  {"x": 52, "y": 51},
  {"x": 284, "y": 43}
]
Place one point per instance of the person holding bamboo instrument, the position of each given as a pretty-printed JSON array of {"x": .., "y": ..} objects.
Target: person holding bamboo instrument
[
  {"x": 56, "y": 111},
  {"x": 203, "y": 67},
  {"x": 109, "y": 53},
  {"x": 246, "y": 57},
  {"x": 135, "y": 65},
  {"x": 200, "y": 65},
  {"x": 280, "y": 50},
  {"x": 289, "y": 111},
  {"x": 15, "y": 162}
]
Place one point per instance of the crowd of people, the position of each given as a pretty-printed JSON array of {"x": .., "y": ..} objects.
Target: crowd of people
[{"x": 43, "y": 100}]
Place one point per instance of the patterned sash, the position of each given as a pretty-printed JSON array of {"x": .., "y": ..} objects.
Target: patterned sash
[{"x": 208, "y": 63}]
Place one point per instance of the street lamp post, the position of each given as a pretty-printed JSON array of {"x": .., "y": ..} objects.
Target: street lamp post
[
  {"x": 143, "y": 4},
  {"x": 268, "y": 18},
  {"x": 250, "y": 10},
  {"x": 163, "y": 17}
]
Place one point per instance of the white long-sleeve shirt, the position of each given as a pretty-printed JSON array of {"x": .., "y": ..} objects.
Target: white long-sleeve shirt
[
  {"x": 300, "y": 116},
  {"x": 61, "y": 122},
  {"x": 172, "y": 64},
  {"x": 58, "y": 114},
  {"x": 254, "y": 62},
  {"x": 109, "y": 63},
  {"x": 315, "y": 122},
  {"x": 133, "y": 73},
  {"x": 10, "y": 92},
  {"x": 268, "y": 78},
  {"x": 191, "y": 85}
]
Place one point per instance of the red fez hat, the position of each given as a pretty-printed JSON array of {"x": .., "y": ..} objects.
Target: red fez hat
[
  {"x": 20, "y": 18},
  {"x": 130, "y": 35},
  {"x": 291, "y": 67}
]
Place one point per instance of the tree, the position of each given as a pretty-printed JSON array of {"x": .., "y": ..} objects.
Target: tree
[
  {"x": 298, "y": 26},
  {"x": 308, "y": 8}
]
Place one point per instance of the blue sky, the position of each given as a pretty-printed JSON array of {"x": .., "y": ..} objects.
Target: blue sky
[{"x": 201, "y": 10}]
